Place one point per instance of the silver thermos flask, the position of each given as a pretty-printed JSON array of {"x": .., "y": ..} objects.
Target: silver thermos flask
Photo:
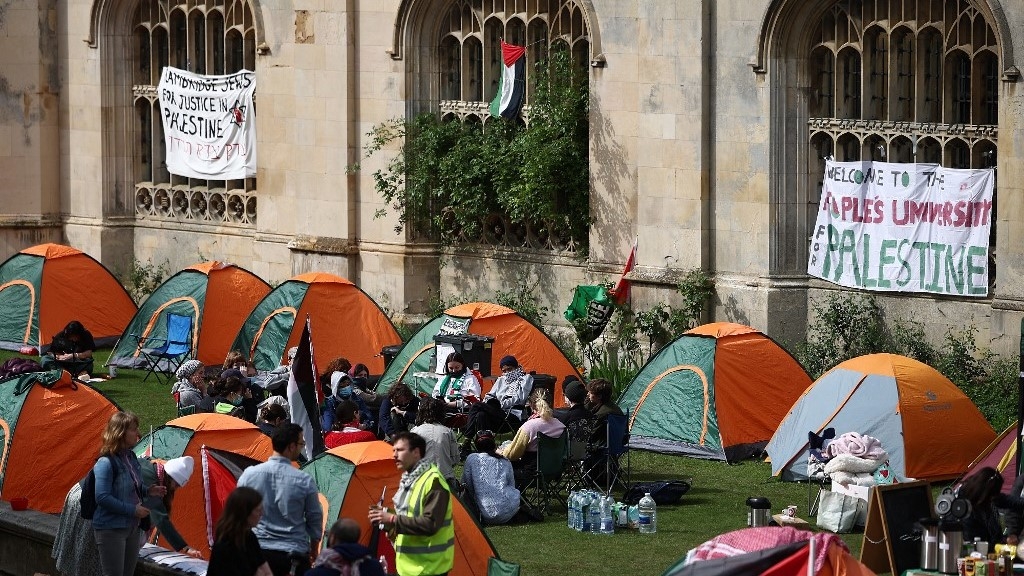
[
  {"x": 929, "y": 543},
  {"x": 759, "y": 511},
  {"x": 951, "y": 540}
]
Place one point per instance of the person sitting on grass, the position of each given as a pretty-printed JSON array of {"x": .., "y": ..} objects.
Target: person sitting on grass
[
  {"x": 344, "y": 554},
  {"x": 190, "y": 389},
  {"x": 398, "y": 410},
  {"x": 71, "y": 349},
  {"x": 442, "y": 447},
  {"x": 346, "y": 428},
  {"x": 489, "y": 481}
]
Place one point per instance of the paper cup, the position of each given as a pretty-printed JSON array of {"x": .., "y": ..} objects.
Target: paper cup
[{"x": 112, "y": 371}]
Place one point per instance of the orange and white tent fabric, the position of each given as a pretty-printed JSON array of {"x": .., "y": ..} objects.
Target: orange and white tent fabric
[{"x": 908, "y": 406}]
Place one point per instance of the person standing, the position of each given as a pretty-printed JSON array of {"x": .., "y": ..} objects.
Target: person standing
[
  {"x": 292, "y": 517},
  {"x": 421, "y": 523},
  {"x": 119, "y": 493}
]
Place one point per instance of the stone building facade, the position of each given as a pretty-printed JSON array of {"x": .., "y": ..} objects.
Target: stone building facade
[{"x": 708, "y": 124}]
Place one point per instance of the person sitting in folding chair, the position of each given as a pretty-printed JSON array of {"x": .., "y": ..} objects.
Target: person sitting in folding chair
[
  {"x": 599, "y": 402},
  {"x": 71, "y": 349},
  {"x": 575, "y": 408},
  {"x": 504, "y": 404},
  {"x": 522, "y": 449},
  {"x": 459, "y": 389}
]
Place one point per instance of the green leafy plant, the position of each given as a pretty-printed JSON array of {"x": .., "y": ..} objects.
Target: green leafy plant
[
  {"x": 445, "y": 177},
  {"x": 844, "y": 326},
  {"x": 142, "y": 278},
  {"x": 522, "y": 299}
]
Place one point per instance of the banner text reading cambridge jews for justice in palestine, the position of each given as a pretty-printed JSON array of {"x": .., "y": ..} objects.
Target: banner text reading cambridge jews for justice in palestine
[
  {"x": 209, "y": 124},
  {"x": 903, "y": 227}
]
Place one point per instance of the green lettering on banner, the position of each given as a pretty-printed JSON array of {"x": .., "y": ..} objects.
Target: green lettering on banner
[
  {"x": 922, "y": 248},
  {"x": 902, "y": 280},
  {"x": 955, "y": 274},
  {"x": 832, "y": 233},
  {"x": 973, "y": 251},
  {"x": 866, "y": 280},
  {"x": 936, "y": 250},
  {"x": 883, "y": 260},
  {"x": 848, "y": 244}
]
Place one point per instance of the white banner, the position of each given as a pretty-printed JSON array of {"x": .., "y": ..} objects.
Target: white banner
[
  {"x": 903, "y": 228},
  {"x": 209, "y": 124}
]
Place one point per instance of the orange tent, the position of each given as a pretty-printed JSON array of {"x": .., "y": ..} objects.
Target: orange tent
[
  {"x": 46, "y": 413},
  {"x": 352, "y": 477},
  {"x": 717, "y": 392},
  {"x": 512, "y": 334},
  {"x": 185, "y": 436},
  {"x": 44, "y": 287},
  {"x": 217, "y": 296},
  {"x": 907, "y": 405},
  {"x": 344, "y": 321}
]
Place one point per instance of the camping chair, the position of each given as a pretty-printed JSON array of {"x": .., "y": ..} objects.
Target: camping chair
[
  {"x": 816, "y": 475},
  {"x": 575, "y": 476},
  {"x": 609, "y": 458},
  {"x": 519, "y": 413},
  {"x": 171, "y": 351},
  {"x": 545, "y": 484}
]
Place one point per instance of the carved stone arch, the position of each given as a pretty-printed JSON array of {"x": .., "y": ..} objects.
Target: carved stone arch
[
  {"x": 416, "y": 11},
  {"x": 783, "y": 16},
  {"x": 105, "y": 12}
]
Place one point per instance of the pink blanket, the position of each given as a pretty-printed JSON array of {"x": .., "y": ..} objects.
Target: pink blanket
[
  {"x": 856, "y": 444},
  {"x": 752, "y": 539}
]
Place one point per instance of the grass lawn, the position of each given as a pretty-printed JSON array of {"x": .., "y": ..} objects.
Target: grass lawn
[{"x": 716, "y": 503}]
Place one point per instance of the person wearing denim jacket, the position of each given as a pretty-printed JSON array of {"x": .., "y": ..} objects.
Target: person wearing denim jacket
[{"x": 119, "y": 492}]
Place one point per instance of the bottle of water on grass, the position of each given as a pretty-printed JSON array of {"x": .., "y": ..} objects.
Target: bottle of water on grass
[{"x": 648, "y": 515}]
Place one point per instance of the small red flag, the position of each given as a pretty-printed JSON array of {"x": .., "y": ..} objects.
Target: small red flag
[{"x": 620, "y": 293}]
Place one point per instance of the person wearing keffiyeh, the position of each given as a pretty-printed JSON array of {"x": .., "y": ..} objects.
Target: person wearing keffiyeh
[
  {"x": 510, "y": 390},
  {"x": 345, "y": 551}
]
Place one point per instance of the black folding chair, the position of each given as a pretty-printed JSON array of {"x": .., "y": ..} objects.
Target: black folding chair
[
  {"x": 545, "y": 484},
  {"x": 608, "y": 459},
  {"x": 166, "y": 354}
]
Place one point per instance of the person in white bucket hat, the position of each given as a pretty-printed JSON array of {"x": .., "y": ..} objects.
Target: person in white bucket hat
[{"x": 172, "y": 474}]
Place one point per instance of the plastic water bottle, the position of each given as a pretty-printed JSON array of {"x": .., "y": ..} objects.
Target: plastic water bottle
[
  {"x": 570, "y": 521},
  {"x": 607, "y": 517},
  {"x": 595, "y": 514},
  {"x": 585, "y": 512},
  {"x": 648, "y": 515}
]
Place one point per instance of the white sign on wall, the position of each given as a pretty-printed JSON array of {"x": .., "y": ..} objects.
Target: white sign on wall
[
  {"x": 903, "y": 228},
  {"x": 209, "y": 124}
]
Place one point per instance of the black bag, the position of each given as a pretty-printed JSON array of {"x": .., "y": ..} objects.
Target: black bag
[
  {"x": 665, "y": 492},
  {"x": 88, "y": 498}
]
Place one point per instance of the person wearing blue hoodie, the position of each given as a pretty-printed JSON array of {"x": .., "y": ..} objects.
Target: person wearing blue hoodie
[{"x": 344, "y": 550}]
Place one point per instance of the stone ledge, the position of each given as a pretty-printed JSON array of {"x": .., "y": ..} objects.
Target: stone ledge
[
  {"x": 324, "y": 245},
  {"x": 26, "y": 539}
]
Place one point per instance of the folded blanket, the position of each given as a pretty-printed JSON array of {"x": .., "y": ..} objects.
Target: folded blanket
[
  {"x": 752, "y": 539},
  {"x": 858, "y": 445},
  {"x": 850, "y": 464}
]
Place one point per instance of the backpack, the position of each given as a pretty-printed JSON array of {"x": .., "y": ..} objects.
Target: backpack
[
  {"x": 669, "y": 492},
  {"x": 88, "y": 484}
]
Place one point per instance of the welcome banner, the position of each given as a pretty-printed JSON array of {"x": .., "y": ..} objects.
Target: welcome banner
[
  {"x": 903, "y": 228},
  {"x": 209, "y": 124}
]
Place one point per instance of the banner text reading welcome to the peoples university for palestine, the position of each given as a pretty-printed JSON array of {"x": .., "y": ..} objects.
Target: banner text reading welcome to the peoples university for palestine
[{"x": 903, "y": 227}]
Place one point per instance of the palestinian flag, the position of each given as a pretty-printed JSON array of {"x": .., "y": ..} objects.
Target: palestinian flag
[
  {"x": 221, "y": 470},
  {"x": 302, "y": 394},
  {"x": 512, "y": 84}
]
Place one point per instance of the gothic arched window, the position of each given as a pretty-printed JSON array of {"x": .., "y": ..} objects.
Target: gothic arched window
[{"x": 205, "y": 37}]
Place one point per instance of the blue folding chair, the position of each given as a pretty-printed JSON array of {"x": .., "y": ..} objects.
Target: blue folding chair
[{"x": 171, "y": 351}]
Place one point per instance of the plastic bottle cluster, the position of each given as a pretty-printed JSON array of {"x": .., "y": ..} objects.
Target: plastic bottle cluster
[{"x": 591, "y": 511}]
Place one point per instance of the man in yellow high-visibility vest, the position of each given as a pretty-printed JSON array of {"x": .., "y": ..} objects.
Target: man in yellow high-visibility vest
[{"x": 421, "y": 523}]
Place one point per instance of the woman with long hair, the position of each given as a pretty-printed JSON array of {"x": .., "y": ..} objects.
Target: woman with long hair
[
  {"x": 236, "y": 551},
  {"x": 120, "y": 490},
  {"x": 489, "y": 481},
  {"x": 442, "y": 447},
  {"x": 522, "y": 450},
  {"x": 983, "y": 490}
]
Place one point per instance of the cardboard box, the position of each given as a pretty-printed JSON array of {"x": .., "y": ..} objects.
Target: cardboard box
[{"x": 783, "y": 520}]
